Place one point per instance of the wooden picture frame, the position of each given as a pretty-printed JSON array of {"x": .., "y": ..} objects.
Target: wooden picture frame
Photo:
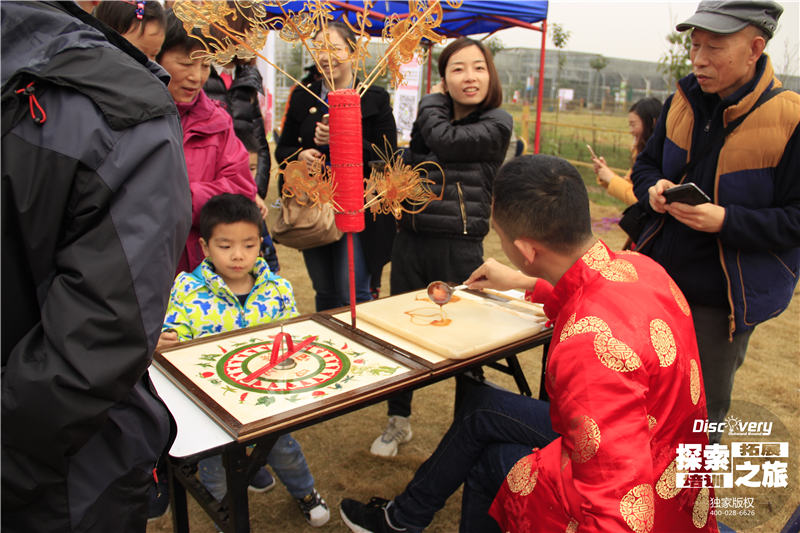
[{"x": 335, "y": 371}]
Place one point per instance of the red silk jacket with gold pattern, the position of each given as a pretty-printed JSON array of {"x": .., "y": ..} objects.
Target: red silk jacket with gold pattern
[{"x": 624, "y": 380}]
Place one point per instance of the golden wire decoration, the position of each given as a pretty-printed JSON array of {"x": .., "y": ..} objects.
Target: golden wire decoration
[
  {"x": 396, "y": 187},
  {"x": 309, "y": 186},
  {"x": 239, "y": 28}
]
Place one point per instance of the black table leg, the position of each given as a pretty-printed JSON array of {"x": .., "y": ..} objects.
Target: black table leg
[
  {"x": 542, "y": 390},
  {"x": 232, "y": 513},
  {"x": 177, "y": 500}
]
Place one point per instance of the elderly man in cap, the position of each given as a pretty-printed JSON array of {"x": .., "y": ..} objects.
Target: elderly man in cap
[{"x": 732, "y": 131}]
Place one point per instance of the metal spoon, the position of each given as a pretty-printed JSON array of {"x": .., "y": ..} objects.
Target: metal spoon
[{"x": 440, "y": 292}]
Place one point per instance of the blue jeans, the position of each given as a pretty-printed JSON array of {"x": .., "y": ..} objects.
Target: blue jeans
[
  {"x": 327, "y": 268},
  {"x": 286, "y": 459},
  {"x": 492, "y": 430}
]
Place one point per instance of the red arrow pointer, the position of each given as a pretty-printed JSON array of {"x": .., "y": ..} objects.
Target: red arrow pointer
[{"x": 275, "y": 357}]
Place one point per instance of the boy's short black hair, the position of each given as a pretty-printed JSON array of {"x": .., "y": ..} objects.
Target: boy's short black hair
[
  {"x": 542, "y": 197},
  {"x": 175, "y": 36},
  {"x": 227, "y": 208}
]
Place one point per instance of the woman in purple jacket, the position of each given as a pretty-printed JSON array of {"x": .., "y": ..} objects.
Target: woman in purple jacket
[{"x": 216, "y": 160}]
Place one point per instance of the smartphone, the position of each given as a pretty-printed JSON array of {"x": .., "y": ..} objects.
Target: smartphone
[
  {"x": 687, "y": 193},
  {"x": 594, "y": 155}
]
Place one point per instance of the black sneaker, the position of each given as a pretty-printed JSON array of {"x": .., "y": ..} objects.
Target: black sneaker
[
  {"x": 372, "y": 517},
  {"x": 314, "y": 509}
]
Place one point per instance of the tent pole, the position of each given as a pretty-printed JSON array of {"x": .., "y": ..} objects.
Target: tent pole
[{"x": 540, "y": 91}]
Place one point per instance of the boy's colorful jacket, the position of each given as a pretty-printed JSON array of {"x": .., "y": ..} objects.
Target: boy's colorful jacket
[{"x": 202, "y": 304}]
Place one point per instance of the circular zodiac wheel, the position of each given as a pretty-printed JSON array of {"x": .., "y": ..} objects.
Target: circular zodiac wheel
[{"x": 318, "y": 366}]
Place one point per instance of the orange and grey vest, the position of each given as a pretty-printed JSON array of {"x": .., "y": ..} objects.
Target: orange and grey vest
[{"x": 759, "y": 283}]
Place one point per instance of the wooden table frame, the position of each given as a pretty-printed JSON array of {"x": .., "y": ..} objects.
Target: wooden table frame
[{"x": 232, "y": 513}]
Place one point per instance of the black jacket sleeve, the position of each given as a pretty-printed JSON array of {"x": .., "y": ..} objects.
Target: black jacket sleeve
[
  {"x": 483, "y": 140},
  {"x": 264, "y": 162},
  {"x": 379, "y": 125},
  {"x": 290, "y": 141}
]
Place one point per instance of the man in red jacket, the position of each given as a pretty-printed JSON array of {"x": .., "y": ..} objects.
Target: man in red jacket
[{"x": 623, "y": 376}]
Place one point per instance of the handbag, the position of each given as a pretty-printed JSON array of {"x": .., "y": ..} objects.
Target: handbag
[
  {"x": 633, "y": 221},
  {"x": 305, "y": 226}
]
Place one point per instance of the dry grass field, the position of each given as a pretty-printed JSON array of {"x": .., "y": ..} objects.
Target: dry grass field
[{"x": 338, "y": 450}]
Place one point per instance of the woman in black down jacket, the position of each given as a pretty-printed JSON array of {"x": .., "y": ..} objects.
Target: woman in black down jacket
[
  {"x": 461, "y": 127},
  {"x": 300, "y": 139}
]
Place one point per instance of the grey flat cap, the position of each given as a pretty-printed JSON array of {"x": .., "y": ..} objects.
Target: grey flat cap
[{"x": 718, "y": 16}]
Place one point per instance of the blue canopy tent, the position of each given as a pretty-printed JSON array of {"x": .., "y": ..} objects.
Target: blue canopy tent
[{"x": 472, "y": 17}]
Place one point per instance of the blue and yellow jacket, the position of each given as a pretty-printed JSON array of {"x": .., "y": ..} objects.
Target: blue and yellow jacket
[
  {"x": 754, "y": 176},
  {"x": 202, "y": 304}
]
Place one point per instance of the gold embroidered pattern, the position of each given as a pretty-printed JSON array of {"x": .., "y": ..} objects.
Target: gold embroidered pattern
[
  {"x": 586, "y": 436},
  {"x": 596, "y": 257},
  {"x": 572, "y": 527},
  {"x": 566, "y": 331},
  {"x": 620, "y": 270},
  {"x": 665, "y": 486},
  {"x": 663, "y": 341},
  {"x": 564, "y": 458},
  {"x": 615, "y": 354},
  {"x": 651, "y": 423},
  {"x": 591, "y": 324},
  {"x": 700, "y": 509},
  {"x": 694, "y": 381},
  {"x": 680, "y": 299},
  {"x": 637, "y": 508},
  {"x": 521, "y": 480}
]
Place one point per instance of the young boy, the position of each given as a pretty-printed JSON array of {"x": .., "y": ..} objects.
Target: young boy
[{"x": 234, "y": 288}]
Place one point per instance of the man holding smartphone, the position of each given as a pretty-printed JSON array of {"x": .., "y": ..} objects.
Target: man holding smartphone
[{"x": 734, "y": 136}]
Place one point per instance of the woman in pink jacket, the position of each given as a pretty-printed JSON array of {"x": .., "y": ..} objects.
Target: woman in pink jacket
[{"x": 216, "y": 160}]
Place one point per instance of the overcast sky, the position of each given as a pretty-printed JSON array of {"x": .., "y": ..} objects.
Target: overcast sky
[{"x": 636, "y": 29}]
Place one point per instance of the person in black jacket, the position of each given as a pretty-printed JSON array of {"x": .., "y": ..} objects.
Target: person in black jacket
[
  {"x": 95, "y": 211},
  {"x": 305, "y": 137},
  {"x": 237, "y": 85},
  {"x": 460, "y": 127}
]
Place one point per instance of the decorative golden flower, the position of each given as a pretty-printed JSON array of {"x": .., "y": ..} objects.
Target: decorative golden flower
[
  {"x": 694, "y": 381},
  {"x": 666, "y": 486},
  {"x": 615, "y": 354},
  {"x": 700, "y": 509},
  {"x": 663, "y": 342},
  {"x": 521, "y": 478},
  {"x": 680, "y": 299},
  {"x": 586, "y": 438},
  {"x": 638, "y": 508}
]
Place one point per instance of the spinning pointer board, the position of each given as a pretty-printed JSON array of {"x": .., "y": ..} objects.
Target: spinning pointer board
[{"x": 236, "y": 379}]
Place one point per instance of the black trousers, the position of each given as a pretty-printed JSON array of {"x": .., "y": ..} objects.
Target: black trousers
[{"x": 418, "y": 259}]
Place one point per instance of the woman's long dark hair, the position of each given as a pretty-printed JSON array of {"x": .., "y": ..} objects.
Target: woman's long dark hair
[
  {"x": 494, "y": 96},
  {"x": 648, "y": 110}
]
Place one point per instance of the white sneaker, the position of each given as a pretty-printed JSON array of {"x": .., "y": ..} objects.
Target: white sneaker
[{"x": 397, "y": 432}]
